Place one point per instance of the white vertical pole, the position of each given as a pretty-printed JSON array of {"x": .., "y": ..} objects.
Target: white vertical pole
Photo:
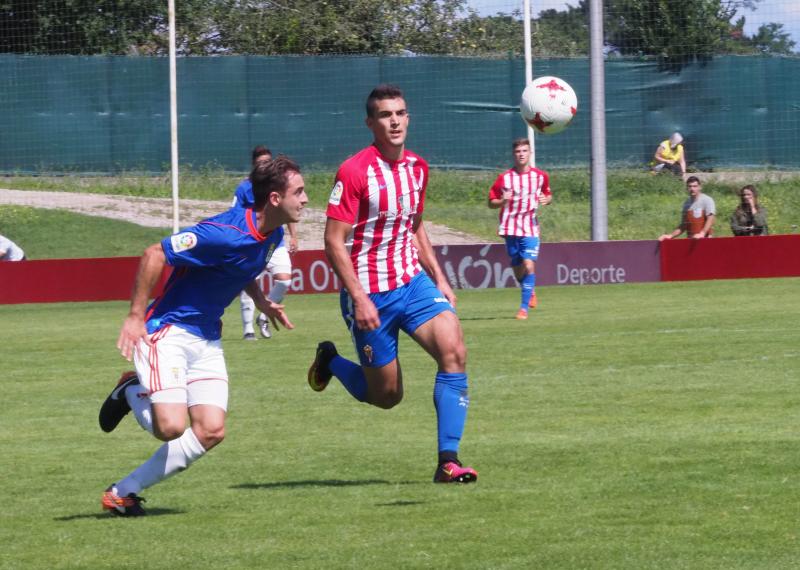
[
  {"x": 526, "y": 8},
  {"x": 173, "y": 116},
  {"x": 599, "y": 182}
]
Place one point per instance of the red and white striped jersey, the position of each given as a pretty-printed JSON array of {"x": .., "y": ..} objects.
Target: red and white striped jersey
[
  {"x": 518, "y": 215},
  {"x": 381, "y": 199}
]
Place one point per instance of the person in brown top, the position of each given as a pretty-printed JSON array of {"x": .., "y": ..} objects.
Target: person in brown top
[{"x": 697, "y": 215}]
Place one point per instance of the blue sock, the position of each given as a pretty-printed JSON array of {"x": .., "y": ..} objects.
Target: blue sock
[
  {"x": 350, "y": 375},
  {"x": 528, "y": 283},
  {"x": 451, "y": 401}
]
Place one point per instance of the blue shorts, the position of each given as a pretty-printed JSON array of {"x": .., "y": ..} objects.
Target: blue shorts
[
  {"x": 406, "y": 308},
  {"x": 522, "y": 247}
]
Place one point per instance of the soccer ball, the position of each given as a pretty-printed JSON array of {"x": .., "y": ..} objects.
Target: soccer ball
[{"x": 548, "y": 104}]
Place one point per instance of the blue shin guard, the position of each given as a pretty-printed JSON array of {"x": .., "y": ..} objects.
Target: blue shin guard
[
  {"x": 351, "y": 376},
  {"x": 528, "y": 283},
  {"x": 451, "y": 400}
]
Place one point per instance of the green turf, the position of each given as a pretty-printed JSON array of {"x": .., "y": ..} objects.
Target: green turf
[
  {"x": 640, "y": 206},
  {"x": 58, "y": 234},
  {"x": 628, "y": 426}
]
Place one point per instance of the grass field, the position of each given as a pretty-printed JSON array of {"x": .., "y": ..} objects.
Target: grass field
[
  {"x": 636, "y": 426},
  {"x": 640, "y": 206}
]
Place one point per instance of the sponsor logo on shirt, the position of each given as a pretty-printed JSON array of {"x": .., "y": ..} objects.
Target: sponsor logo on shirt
[
  {"x": 270, "y": 251},
  {"x": 336, "y": 193},
  {"x": 183, "y": 241}
]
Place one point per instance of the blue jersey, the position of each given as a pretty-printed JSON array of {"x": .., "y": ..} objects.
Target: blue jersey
[
  {"x": 244, "y": 197},
  {"x": 213, "y": 261}
]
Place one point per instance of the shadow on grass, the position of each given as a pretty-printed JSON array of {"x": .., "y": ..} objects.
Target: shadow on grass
[
  {"x": 320, "y": 483},
  {"x": 400, "y": 504},
  {"x": 150, "y": 513}
]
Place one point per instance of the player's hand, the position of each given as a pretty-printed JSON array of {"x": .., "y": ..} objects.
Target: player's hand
[
  {"x": 277, "y": 315},
  {"x": 545, "y": 200},
  {"x": 292, "y": 245},
  {"x": 506, "y": 196},
  {"x": 366, "y": 315},
  {"x": 447, "y": 291},
  {"x": 664, "y": 236},
  {"x": 132, "y": 333},
  {"x": 699, "y": 235}
]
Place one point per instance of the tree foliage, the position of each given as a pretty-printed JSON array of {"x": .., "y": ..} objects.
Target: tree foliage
[
  {"x": 674, "y": 32},
  {"x": 679, "y": 32}
]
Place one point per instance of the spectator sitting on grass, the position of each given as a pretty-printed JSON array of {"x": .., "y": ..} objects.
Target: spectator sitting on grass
[
  {"x": 749, "y": 218},
  {"x": 9, "y": 251},
  {"x": 670, "y": 156}
]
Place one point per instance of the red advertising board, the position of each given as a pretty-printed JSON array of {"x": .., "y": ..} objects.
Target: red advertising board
[
  {"x": 474, "y": 266},
  {"x": 730, "y": 258}
]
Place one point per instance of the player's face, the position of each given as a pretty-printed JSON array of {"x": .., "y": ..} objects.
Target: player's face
[
  {"x": 389, "y": 123},
  {"x": 522, "y": 156},
  {"x": 262, "y": 158},
  {"x": 293, "y": 201},
  {"x": 693, "y": 188}
]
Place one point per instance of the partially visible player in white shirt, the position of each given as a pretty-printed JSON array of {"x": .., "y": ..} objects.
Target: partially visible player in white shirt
[
  {"x": 9, "y": 251},
  {"x": 279, "y": 266}
]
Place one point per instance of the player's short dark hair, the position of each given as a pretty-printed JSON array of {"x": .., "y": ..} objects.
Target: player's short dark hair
[
  {"x": 271, "y": 176},
  {"x": 693, "y": 179},
  {"x": 519, "y": 142},
  {"x": 381, "y": 92},
  {"x": 258, "y": 152}
]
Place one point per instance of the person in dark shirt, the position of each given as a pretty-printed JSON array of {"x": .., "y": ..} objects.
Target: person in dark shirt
[{"x": 749, "y": 218}]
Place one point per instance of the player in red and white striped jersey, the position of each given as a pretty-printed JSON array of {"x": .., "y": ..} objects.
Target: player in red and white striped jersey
[
  {"x": 519, "y": 192},
  {"x": 377, "y": 244}
]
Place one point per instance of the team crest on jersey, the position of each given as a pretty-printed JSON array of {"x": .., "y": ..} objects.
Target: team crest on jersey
[
  {"x": 368, "y": 352},
  {"x": 336, "y": 193},
  {"x": 183, "y": 241}
]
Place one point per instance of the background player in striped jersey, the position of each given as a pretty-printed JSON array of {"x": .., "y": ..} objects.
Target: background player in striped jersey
[
  {"x": 375, "y": 208},
  {"x": 279, "y": 265},
  {"x": 518, "y": 192},
  {"x": 180, "y": 367}
]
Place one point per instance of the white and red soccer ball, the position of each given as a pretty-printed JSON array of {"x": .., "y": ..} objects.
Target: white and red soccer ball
[{"x": 548, "y": 104}]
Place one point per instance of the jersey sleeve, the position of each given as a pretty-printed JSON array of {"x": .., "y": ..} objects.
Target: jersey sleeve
[
  {"x": 202, "y": 245},
  {"x": 346, "y": 194},
  {"x": 243, "y": 197},
  {"x": 496, "y": 191},
  {"x": 423, "y": 190},
  {"x": 546, "y": 184}
]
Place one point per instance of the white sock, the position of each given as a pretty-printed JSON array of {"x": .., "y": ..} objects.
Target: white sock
[
  {"x": 248, "y": 307},
  {"x": 278, "y": 291},
  {"x": 140, "y": 406},
  {"x": 172, "y": 457}
]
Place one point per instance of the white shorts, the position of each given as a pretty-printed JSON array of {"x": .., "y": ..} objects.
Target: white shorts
[
  {"x": 280, "y": 262},
  {"x": 181, "y": 368}
]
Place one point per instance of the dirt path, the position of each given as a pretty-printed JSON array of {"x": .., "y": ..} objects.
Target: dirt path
[{"x": 157, "y": 213}]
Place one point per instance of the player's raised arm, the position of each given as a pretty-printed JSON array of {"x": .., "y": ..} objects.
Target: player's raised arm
[{"x": 151, "y": 265}]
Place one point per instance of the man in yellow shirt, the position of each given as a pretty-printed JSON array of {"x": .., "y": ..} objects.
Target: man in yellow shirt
[{"x": 670, "y": 156}]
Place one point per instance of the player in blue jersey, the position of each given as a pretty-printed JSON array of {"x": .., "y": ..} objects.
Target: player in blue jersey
[
  {"x": 175, "y": 341},
  {"x": 279, "y": 266}
]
